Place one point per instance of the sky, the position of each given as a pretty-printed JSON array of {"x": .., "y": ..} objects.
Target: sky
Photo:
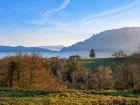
[{"x": 62, "y": 22}]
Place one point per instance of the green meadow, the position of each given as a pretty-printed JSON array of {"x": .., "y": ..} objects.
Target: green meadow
[
  {"x": 10, "y": 96},
  {"x": 92, "y": 64}
]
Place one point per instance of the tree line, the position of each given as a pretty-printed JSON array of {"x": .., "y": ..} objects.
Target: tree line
[{"x": 32, "y": 71}]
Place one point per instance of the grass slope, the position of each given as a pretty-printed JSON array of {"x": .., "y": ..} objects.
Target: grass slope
[
  {"x": 92, "y": 64},
  {"x": 9, "y": 96}
]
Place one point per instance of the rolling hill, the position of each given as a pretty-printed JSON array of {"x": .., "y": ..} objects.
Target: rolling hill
[
  {"x": 22, "y": 49},
  {"x": 93, "y": 64}
]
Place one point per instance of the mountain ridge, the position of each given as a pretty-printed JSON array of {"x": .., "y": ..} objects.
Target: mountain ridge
[
  {"x": 22, "y": 49},
  {"x": 54, "y": 47},
  {"x": 110, "y": 40}
]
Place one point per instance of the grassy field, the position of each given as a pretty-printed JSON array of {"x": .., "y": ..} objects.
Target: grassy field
[
  {"x": 9, "y": 96},
  {"x": 92, "y": 64}
]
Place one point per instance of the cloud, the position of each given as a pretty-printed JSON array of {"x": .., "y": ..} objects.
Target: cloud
[
  {"x": 63, "y": 6},
  {"x": 47, "y": 14},
  {"x": 113, "y": 11}
]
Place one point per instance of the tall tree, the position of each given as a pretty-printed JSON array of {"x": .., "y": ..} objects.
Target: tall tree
[
  {"x": 103, "y": 77},
  {"x": 92, "y": 53}
]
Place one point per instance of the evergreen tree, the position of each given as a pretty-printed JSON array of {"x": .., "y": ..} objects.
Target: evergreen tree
[{"x": 92, "y": 54}]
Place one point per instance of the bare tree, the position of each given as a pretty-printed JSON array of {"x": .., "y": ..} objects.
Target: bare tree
[
  {"x": 119, "y": 54},
  {"x": 104, "y": 77}
]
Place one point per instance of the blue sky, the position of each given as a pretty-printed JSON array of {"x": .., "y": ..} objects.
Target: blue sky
[{"x": 62, "y": 22}]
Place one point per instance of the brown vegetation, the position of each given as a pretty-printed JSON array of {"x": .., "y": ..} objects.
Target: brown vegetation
[{"x": 35, "y": 72}]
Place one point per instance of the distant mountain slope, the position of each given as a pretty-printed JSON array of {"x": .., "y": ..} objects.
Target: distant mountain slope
[
  {"x": 22, "y": 49},
  {"x": 110, "y": 40},
  {"x": 54, "y": 48}
]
